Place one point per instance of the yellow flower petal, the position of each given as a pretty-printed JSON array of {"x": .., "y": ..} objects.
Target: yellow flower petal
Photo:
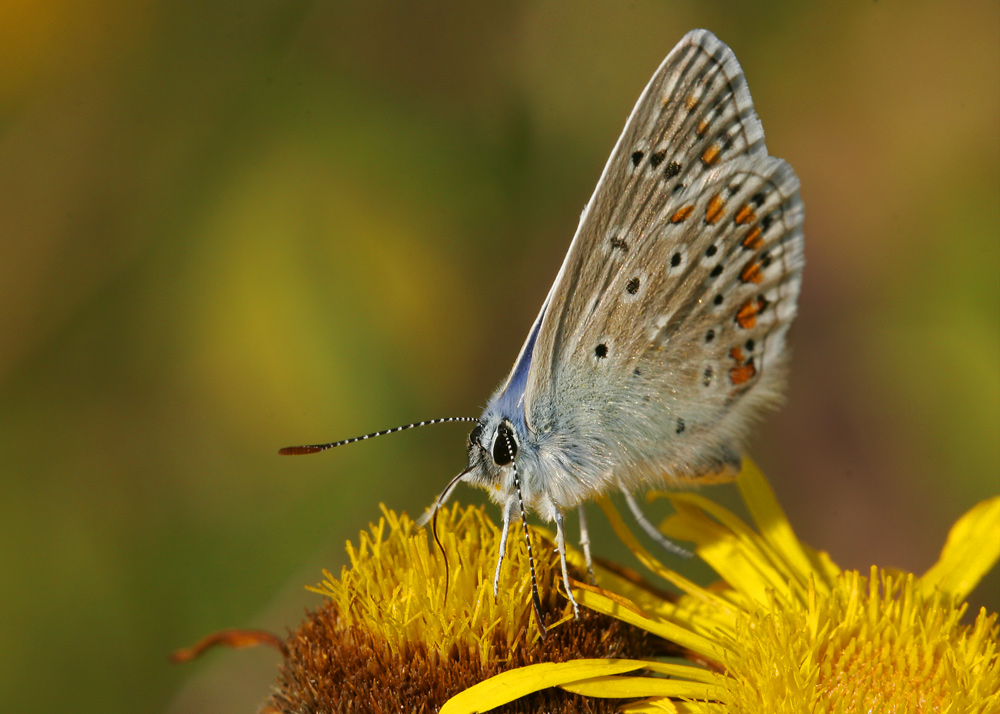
[
  {"x": 972, "y": 548},
  {"x": 622, "y": 531},
  {"x": 516, "y": 683},
  {"x": 771, "y": 520},
  {"x": 617, "y": 687},
  {"x": 693, "y": 707},
  {"x": 678, "y": 634},
  {"x": 654, "y": 705},
  {"x": 694, "y": 674},
  {"x": 822, "y": 563},
  {"x": 732, "y": 549},
  {"x": 647, "y": 600}
]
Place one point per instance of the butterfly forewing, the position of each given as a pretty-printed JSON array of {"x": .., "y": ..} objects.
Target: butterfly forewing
[{"x": 669, "y": 312}]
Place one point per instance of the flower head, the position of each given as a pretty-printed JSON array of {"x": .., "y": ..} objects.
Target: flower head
[
  {"x": 786, "y": 630},
  {"x": 392, "y": 636}
]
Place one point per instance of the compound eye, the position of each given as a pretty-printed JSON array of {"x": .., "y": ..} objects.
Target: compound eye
[
  {"x": 504, "y": 446},
  {"x": 475, "y": 434}
]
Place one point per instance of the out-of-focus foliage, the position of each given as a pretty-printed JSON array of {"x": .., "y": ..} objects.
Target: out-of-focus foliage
[{"x": 228, "y": 227}]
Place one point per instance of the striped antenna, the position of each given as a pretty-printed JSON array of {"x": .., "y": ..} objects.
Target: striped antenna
[{"x": 313, "y": 448}]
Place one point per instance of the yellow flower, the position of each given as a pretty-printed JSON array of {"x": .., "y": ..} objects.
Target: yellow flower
[
  {"x": 391, "y": 636},
  {"x": 786, "y": 630}
]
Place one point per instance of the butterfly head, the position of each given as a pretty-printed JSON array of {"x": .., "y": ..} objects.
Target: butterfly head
[{"x": 493, "y": 448}]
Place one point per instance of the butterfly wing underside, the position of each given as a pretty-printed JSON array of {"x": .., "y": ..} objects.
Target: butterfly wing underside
[{"x": 665, "y": 328}]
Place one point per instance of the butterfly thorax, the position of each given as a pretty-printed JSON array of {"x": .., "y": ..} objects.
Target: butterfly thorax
[{"x": 553, "y": 470}]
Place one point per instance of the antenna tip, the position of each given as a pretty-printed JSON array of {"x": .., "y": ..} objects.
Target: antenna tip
[{"x": 297, "y": 450}]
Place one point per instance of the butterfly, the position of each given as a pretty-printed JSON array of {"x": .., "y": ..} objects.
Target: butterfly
[{"x": 663, "y": 336}]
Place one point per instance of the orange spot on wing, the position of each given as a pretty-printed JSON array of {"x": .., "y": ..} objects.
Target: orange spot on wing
[
  {"x": 743, "y": 373},
  {"x": 711, "y": 155},
  {"x": 747, "y": 315},
  {"x": 714, "y": 210},
  {"x": 753, "y": 240},
  {"x": 745, "y": 215},
  {"x": 691, "y": 102},
  {"x": 737, "y": 354},
  {"x": 751, "y": 272},
  {"x": 702, "y": 127},
  {"x": 682, "y": 213}
]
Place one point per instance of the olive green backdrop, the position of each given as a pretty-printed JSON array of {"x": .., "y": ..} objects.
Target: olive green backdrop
[{"x": 227, "y": 227}]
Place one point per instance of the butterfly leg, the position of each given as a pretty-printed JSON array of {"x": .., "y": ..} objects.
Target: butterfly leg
[
  {"x": 585, "y": 544},
  {"x": 561, "y": 547},
  {"x": 503, "y": 544},
  {"x": 652, "y": 530}
]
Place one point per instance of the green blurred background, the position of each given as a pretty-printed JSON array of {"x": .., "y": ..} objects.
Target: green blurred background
[{"x": 227, "y": 227}]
